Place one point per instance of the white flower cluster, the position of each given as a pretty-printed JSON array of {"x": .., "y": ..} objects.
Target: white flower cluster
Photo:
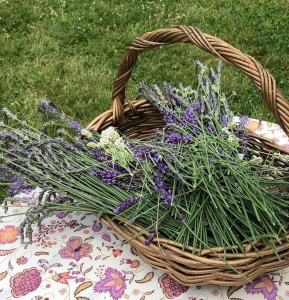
[
  {"x": 231, "y": 137},
  {"x": 110, "y": 137},
  {"x": 284, "y": 157},
  {"x": 110, "y": 134},
  {"x": 257, "y": 160}
]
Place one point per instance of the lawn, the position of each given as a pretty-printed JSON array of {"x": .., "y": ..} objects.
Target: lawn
[{"x": 69, "y": 51}]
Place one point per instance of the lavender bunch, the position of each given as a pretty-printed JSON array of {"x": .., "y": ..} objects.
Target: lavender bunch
[
  {"x": 87, "y": 178},
  {"x": 195, "y": 182},
  {"x": 48, "y": 108},
  {"x": 201, "y": 162}
]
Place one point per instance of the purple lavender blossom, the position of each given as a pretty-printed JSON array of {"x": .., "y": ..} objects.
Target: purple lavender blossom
[
  {"x": 168, "y": 197},
  {"x": 48, "y": 107},
  {"x": 219, "y": 67},
  {"x": 108, "y": 176},
  {"x": 142, "y": 152},
  {"x": 76, "y": 126},
  {"x": 163, "y": 167},
  {"x": 244, "y": 121},
  {"x": 225, "y": 121},
  {"x": 182, "y": 218},
  {"x": 99, "y": 154},
  {"x": 173, "y": 138},
  {"x": 8, "y": 114},
  {"x": 190, "y": 114},
  {"x": 198, "y": 65},
  {"x": 159, "y": 183},
  {"x": 150, "y": 238},
  {"x": 126, "y": 203},
  {"x": 17, "y": 187}
]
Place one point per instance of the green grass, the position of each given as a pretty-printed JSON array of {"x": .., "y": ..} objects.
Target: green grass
[{"x": 69, "y": 51}]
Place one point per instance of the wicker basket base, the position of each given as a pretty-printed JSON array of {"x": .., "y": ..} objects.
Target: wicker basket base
[{"x": 204, "y": 267}]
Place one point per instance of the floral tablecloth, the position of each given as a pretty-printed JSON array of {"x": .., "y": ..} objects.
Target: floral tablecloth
[{"x": 75, "y": 257}]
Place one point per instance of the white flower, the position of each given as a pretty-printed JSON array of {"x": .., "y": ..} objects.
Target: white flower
[
  {"x": 110, "y": 134},
  {"x": 284, "y": 157},
  {"x": 105, "y": 143},
  {"x": 226, "y": 130},
  {"x": 257, "y": 160},
  {"x": 241, "y": 155},
  {"x": 119, "y": 143},
  {"x": 233, "y": 138},
  {"x": 91, "y": 145}
]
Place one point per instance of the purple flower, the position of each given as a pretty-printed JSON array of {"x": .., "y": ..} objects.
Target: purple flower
[
  {"x": 163, "y": 167},
  {"x": 212, "y": 163},
  {"x": 127, "y": 203},
  {"x": 159, "y": 183},
  {"x": 76, "y": 126},
  {"x": 48, "y": 107},
  {"x": 108, "y": 176},
  {"x": 167, "y": 197},
  {"x": 182, "y": 218},
  {"x": 198, "y": 65},
  {"x": 8, "y": 114},
  {"x": 224, "y": 121},
  {"x": 244, "y": 121},
  {"x": 17, "y": 187},
  {"x": 150, "y": 238},
  {"x": 191, "y": 113},
  {"x": 141, "y": 153},
  {"x": 219, "y": 67},
  {"x": 173, "y": 138},
  {"x": 99, "y": 154}
]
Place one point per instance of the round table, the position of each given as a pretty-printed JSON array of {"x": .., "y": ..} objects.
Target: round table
[{"x": 75, "y": 257}]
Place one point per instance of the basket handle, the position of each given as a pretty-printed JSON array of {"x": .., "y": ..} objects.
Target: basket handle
[{"x": 261, "y": 78}]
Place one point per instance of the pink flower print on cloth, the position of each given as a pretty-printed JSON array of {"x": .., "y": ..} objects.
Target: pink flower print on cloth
[
  {"x": 9, "y": 234},
  {"x": 75, "y": 249},
  {"x": 25, "y": 282},
  {"x": 114, "y": 282},
  {"x": 171, "y": 288},
  {"x": 62, "y": 277},
  {"x": 264, "y": 285}
]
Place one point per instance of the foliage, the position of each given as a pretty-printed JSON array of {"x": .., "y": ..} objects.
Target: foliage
[{"x": 69, "y": 51}]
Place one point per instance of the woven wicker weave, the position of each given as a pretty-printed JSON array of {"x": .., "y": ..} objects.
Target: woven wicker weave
[{"x": 139, "y": 119}]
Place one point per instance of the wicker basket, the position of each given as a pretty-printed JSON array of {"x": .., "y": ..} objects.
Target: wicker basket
[{"x": 139, "y": 119}]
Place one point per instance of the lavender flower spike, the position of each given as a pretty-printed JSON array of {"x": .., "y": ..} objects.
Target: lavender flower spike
[
  {"x": 8, "y": 114},
  {"x": 126, "y": 203},
  {"x": 150, "y": 238}
]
